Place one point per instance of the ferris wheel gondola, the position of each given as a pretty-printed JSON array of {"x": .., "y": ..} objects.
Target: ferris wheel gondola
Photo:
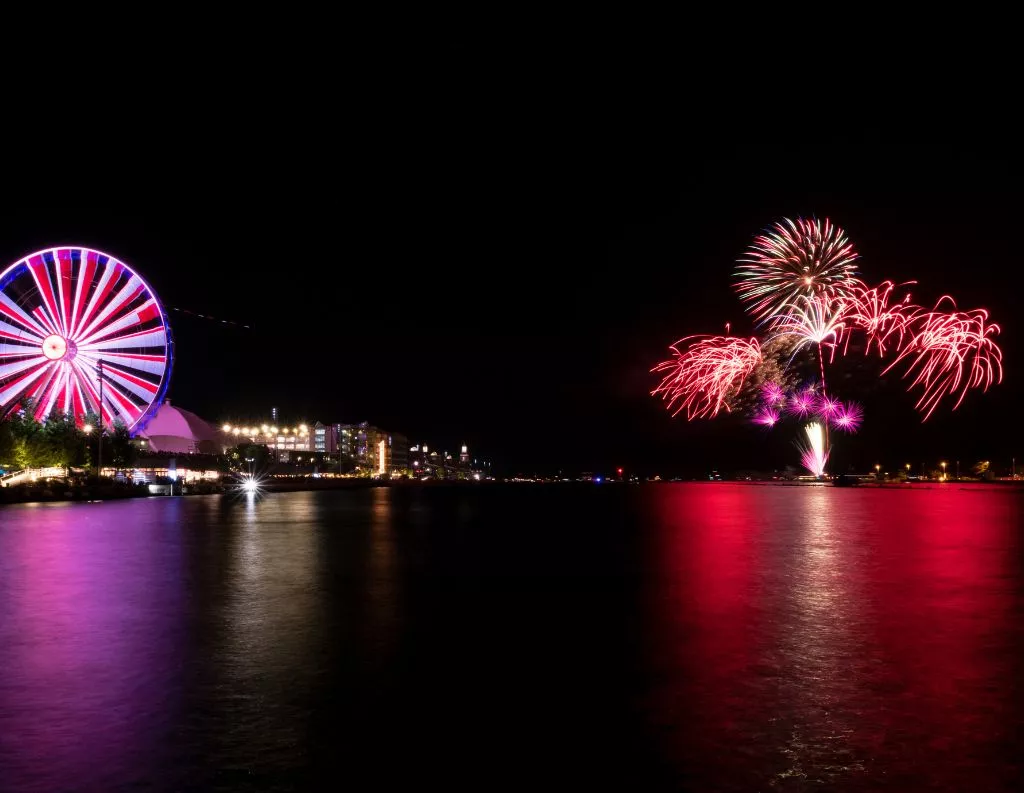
[{"x": 70, "y": 316}]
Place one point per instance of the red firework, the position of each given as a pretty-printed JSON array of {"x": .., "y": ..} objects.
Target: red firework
[
  {"x": 949, "y": 353},
  {"x": 703, "y": 375},
  {"x": 868, "y": 309}
]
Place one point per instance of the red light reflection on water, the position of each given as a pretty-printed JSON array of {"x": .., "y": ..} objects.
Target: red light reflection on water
[{"x": 824, "y": 636}]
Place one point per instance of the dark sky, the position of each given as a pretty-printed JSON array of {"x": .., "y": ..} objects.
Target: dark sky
[{"x": 472, "y": 261}]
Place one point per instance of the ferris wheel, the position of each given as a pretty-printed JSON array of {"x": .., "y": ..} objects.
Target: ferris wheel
[{"x": 78, "y": 327}]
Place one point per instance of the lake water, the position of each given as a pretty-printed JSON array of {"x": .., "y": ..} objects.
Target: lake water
[{"x": 667, "y": 637}]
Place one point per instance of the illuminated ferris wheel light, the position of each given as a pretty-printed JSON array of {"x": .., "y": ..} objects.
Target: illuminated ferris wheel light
[{"x": 69, "y": 316}]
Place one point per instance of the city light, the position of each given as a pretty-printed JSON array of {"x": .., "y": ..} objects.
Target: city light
[
  {"x": 87, "y": 428},
  {"x": 380, "y": 458},
  {"x": 226, "y": 428}
]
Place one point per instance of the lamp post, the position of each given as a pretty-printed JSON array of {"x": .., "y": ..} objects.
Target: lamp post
[
  {"x": 99, "y": 440},
  {"x": 943, "y": 464},
  {"x": 878, "y": 468}
]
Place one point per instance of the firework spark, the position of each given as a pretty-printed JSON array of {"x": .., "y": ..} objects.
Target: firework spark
[
  {"x": 828, "y": 408},
  {"x": 868, "y": 309},
  {"x": 951, "y": 352},
  {"x": 706, "y": 373},
  {"x": 813, "y": 320},
  {"x": 772, "y": 393},
  {"x": 794, "y": 259},
  {"x": 801, "y": 404},
  {"x": 848, "y": 417},
  {"x": 767, "y": 417},
  {"x": 812, "y": 453}
]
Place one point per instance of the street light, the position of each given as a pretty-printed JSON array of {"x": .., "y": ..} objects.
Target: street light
[
  {"x": 943, "y": 464},
  {"x": 87, "y": 428},
  {"x": 877, "y": 469}
]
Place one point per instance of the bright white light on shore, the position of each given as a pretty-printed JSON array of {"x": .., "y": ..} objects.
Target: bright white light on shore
[
  {"x": 87, "y": 428},
  {"x": 250, "y": 485},
  {"x": 226, "y": 428}
]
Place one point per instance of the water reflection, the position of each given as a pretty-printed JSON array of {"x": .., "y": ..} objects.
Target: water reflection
[
  {"x": 837, "y": 639},
  {"x": 90, "y": 640}
]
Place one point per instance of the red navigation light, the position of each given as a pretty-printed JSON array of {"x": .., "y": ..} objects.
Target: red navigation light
[{"x": 620, "y": 472}]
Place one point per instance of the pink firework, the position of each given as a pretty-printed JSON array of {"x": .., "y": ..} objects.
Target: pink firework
[
  {"x": 950, "y": 353},
  {"x": 848, "y": 417},
  {"x": 767, "y": 417},
  {"x": 801, "y": 404},
  {"x": 869, "y": 310},
  {"x": 772, "y": 393},
  {"x": 827, "y": 407},
  {"x": 703, "y": 375}
]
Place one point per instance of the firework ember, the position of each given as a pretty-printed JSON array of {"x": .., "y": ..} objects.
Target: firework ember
[{"x": 706, "y": 373}]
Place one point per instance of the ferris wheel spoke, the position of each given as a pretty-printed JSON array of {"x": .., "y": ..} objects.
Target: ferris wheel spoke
[
  {"x": 128, "y": 412},
  {"x": 13, "y": 332},
  {"x": 8, "y": 370},
  {"x": 133, "y": 319},
  {"x": 143, "y": 389},
  {"x": 151, "y": 364},
  {"x": 141, "y": 339},
  {"x": 44, "y": 320},
  {"x": 63, "y": 267},
  {"x": 86, "y": 273},
  {"x": 18, "y": 350},
  {"x": 122, "y": 297},
  {"x": 111, "y": 272},
  {"x": 47, "y": 392},
  {"x": 88, "y": 382},
  {"x": 13, "y": 390},
  {"x": 13, "y": 311}
]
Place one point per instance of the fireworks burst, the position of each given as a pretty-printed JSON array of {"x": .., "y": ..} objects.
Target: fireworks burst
[
  {"x": 703, "y": 376},
  {"x": 794, "y": 259},
  {"x": 767, "y": 417},
  {"x": 951, "y": 352},
  {"x": 848, "y": 417},
  {"x": 828, "y": 408},
  {"x": 813, "y": 455},
  {"x": 772, "y": 393}
]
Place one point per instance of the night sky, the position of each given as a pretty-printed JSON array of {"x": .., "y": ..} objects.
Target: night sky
[{"x": 472, "y": 266}]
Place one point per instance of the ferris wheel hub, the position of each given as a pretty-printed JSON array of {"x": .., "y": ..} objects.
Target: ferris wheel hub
[{"x": 57, "y": 347}]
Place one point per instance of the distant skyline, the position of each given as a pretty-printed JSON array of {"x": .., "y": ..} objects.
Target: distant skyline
[{"x": 512, "y": 292}]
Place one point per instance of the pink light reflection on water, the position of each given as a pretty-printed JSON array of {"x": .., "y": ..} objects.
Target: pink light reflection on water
[{"x": 89, "y": 622}]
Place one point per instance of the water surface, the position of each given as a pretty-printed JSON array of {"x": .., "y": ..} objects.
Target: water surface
[{"x": 688, "y": 637}]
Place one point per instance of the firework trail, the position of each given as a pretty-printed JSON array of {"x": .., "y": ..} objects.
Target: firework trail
[
  {"x": 951, "y": 352},
  {"x": 868, "y": 309},
  {"x": 794, "y": 259},
  {"x": 812, "y": 453},
  {"x": 704, "y": 375}
]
